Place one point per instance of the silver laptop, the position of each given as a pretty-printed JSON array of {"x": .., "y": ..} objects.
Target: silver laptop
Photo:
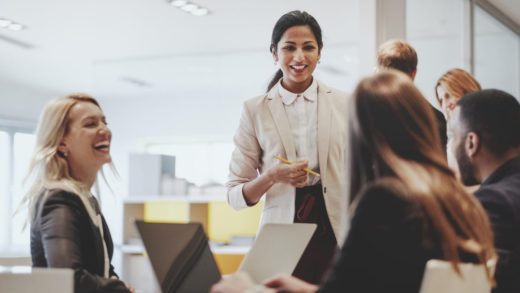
[
  {"x": 183, "y": 262},
  {"x": 25, "y": 279},
  {"x": 276, "y": 250}
]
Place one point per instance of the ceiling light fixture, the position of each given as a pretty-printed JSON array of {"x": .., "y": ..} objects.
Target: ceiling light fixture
[
  {"x": 4, "y": 22},
  {"x": 178, "y": 3},
  {"x": 200, "y": 11},
  {"x": 11, "y": 25},
  {"x": 15, "y": 27},
  {"x": 190, "y": 7}
]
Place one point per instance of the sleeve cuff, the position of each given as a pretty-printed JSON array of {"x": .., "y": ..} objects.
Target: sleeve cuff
[{"x": 236, "y": 198}]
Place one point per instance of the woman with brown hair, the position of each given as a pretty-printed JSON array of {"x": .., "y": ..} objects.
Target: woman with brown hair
[
  {"x": 452, "y": 86},
  {"x": 407, "y": 205}
]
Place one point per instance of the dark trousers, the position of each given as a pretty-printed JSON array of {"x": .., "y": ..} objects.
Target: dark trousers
[{"x": 317, "y": 257}]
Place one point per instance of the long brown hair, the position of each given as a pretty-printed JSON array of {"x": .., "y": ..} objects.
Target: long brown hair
[{"x": 393, "y": 134}]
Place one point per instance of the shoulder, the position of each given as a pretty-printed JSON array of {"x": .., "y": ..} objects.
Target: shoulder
[
  {"x": 385, "y": 198},
  {"x": 62, "y": 198},
  {"x": 336, "y": 98},
  {"x": 388, "y": 189},
  {"x": 492, "y": 197},
  {"x": 252, "y": 105},
  {"x": 59, "y": 208},
  {"x": 332, "y": 92}
]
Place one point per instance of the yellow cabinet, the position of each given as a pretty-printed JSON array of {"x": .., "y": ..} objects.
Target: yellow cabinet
[{"x": 220, "y": 222}]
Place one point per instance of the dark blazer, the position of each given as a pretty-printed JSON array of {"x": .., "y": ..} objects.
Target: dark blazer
[
  {"x": 500, "y": 196},
  {"x": 441, "y": 125},
  {"x": 64, "y": 236},
  {"x": 388, "y": 245}
]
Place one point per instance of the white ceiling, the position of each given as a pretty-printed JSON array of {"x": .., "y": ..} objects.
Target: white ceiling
[{"x": 96, "y": 45}]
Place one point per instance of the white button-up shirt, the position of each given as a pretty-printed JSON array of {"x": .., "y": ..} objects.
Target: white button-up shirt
[{"x": 302, "y": 112}]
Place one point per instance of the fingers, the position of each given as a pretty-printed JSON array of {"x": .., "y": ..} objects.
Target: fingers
[
  {"x": 299, "y": 179},
  {"x": 275, "y": 282},
  {"x": 300, "y": 164},
  {"x": 293, "y": 174}
]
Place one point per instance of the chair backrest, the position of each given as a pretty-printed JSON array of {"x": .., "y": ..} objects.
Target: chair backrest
[
  {"x": 440, "y": 276},
  {"x": 17, "y": 260},
  {"x": 25, "y": 279}
]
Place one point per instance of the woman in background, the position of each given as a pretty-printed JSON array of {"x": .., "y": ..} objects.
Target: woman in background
[
  {"x": 67, "y": 227},
  {"x": 452, "y": 86},
  {"x": 408, "y": 206},
  {"x": 301, "y": 120}
]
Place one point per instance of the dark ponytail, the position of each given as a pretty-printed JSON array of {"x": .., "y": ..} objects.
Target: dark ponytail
[
  {"x": 288, "y": 20},
  {"x": 275, "y": 79}
]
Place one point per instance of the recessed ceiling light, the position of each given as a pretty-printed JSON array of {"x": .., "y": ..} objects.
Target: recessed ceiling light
[
  {"x": 190, "y": 7},
  {"x": 5, "y": 22},
  {"x": 15, "y": 27},
  {"x": 11, "y": 25},
  {"x": 178, "y": 3},
  {"x": 200, "y": 11}
]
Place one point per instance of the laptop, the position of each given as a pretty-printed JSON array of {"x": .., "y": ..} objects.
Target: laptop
[
  {"x": 182, "y": 261},
  {"x": 25, "y": 279},
  {"x": 276, "y": 250}
]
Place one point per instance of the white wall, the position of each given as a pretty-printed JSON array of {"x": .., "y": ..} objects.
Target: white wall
[{"x": 22, "y": 102}]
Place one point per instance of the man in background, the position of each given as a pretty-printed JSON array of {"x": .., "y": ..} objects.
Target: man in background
[
  {"x": 400, "y": 55},
  {"x": 484, "y": 133}
]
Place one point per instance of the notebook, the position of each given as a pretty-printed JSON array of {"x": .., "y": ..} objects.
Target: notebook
[{"x": 182, "y": 261}]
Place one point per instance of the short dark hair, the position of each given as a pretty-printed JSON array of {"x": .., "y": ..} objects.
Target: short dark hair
[
  {"x": 286, "y": 21},
  {"x": 494, "y": 116}
]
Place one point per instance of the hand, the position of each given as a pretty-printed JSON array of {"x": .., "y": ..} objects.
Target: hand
[
  {"x": 293, "y": 174},
  {"x": 238, "y": 282},
  {"x": 131, "y": 289},
  {"x": 288, "y": 283}
]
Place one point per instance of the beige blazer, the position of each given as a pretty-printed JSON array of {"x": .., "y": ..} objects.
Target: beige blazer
[{"x": 264, "y": 132}]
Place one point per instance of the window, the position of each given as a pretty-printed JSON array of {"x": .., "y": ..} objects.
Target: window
[
  {"x": 497, "y": 54},
  {"x": 23, "y": 148},
  {"x": 4, "y": 186},
  {"x": 16, "y": 147},
  {"x": 435, "y": 29}
]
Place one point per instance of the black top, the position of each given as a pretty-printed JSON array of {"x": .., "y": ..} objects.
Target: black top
[
  {"x": 441, "y": 124},
  {"x": 64, "y": 236},
  {"x": 500, "y": 196},
  {"x": 388, "y": 245}
]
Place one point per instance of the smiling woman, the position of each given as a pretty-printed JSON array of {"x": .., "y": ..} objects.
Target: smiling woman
[
  {"x": 298, "y": 119},
  {"x": 67, "y": 227}
]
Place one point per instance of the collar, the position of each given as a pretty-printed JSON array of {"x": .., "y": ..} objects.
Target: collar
[
  {"x": 310, "y": 94},
  {"x": 508, "y": 168}
]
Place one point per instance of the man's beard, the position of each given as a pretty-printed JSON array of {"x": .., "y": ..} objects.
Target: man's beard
[{"x": 467, "y": 170}]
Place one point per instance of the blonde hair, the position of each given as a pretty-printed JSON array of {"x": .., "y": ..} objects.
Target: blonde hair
[
  {"x": 393, "y": 134},
  {"x": 457, "y": 82},
  {"x": 48, "y": 166},
  {"x": 398, "y": 55}
]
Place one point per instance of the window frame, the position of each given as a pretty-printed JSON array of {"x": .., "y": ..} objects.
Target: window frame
[{"x": 11, "y": 127}]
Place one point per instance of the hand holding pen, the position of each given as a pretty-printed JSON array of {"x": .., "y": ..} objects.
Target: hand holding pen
[
  {"x": 294, "y": 173},
  {"x": 285, "y": 161}
]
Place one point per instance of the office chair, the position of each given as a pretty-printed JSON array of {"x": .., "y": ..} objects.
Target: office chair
[{"x": 440, "y": 276}]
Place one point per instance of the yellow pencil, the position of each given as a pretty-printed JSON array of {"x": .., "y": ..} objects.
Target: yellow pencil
[{"x": 285, "y": 161}]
